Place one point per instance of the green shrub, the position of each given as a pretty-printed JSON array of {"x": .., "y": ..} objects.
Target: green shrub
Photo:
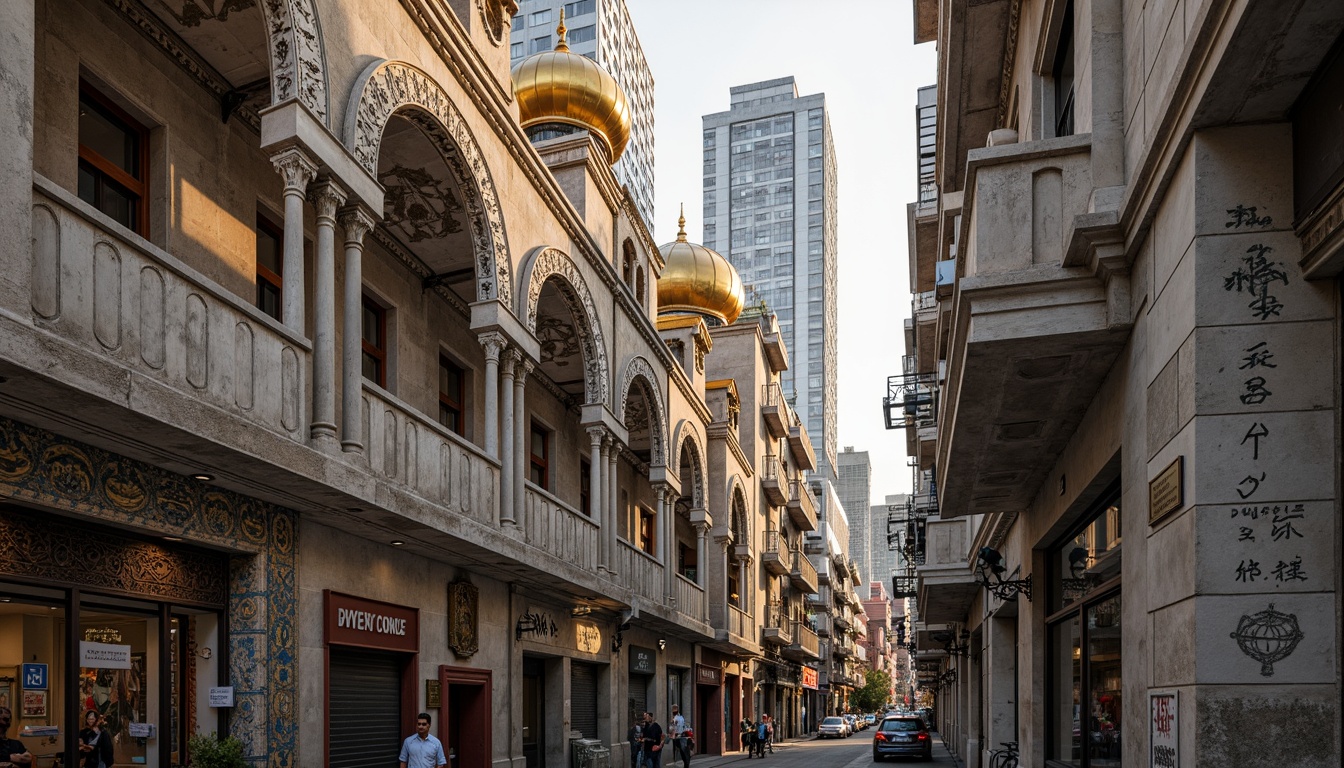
[{"x": 209, "y": 751}]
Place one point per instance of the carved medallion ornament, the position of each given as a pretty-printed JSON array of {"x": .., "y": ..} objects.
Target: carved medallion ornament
[
  {"x": 257, "y": 583},
  {"x": 550, "y": 263},
  {"x": 463, "y": 623},
  {"x": 498, "y": 18},
  {"x": 639, "y": 367},
  {"x": 389, "y": 87}
]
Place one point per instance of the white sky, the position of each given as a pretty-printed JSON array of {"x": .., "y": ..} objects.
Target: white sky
[{"x": 860, "y": 53}]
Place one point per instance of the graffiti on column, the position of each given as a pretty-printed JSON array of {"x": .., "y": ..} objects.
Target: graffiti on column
[
  {"x": 1255, "y": 277},
  {"x": 1268, "y": 637}
]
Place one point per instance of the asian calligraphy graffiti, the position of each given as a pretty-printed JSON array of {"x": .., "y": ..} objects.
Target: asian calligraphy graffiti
[{"x": 1255, "y": 277}]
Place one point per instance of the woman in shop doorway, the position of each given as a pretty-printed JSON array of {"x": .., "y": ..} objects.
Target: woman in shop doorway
[{"x": 95, "y": 742}]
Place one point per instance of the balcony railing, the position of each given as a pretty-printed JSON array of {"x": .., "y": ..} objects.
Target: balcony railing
[
  {"x": 806, "y": 645},
  {"x": 690, "y": 598},
  {"x": 911, "y": 401},
  {"x": 775, "y": 410},
  {"x": 406, "y": 447},
  {"x": 777, "y": 629},
  {"x": 803, "y": 575},
  {"x": 775, "y": 554},
  {"x": 120, "y": 298},
  {"x": 772, "y": 480},
  {"x": 738, "y": 623},
  {"x": 800, "y": 445},
  {"x": 802, "y": 508}
]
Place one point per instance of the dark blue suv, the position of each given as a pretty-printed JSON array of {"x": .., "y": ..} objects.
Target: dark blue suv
[{"x": 902, "y": 736}]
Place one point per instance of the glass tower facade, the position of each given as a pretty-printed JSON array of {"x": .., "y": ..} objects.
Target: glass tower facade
[
  {"x": 603, "y": 31},
  {"x": 770, "y": 207}
]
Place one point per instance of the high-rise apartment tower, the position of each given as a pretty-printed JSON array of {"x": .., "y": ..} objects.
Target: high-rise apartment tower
[
  {"x": 770, "y": 207},
  {"x": 602, "y": 31},
  {"x": 855, "y": 486}
]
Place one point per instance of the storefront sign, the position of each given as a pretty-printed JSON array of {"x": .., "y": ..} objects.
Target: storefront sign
[
  {"x": 1164, "y": 730},
  {"x": 433, "y": 694},
  {"x": 221, "y": 696},
  {"x": 643, "y": 661},
  {"x": 104, "y": 655},
  {"x": 587, "y": 637},
  {"x": 142, "y": 730},
  {"x": 1166, "y": 492},
  {"x": 34, "y": 677},
  {"x": 708, "y": 675},
  {"x": 34, "y": 703},
  {"x": 809, "y": 678},
  {"x": 371, "y": 623}
]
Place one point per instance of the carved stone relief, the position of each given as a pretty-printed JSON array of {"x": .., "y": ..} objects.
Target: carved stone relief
[
  {"x": 298, "y": 64},
  {"x": 389, "y": 87},
  {"x": 640, "y": 368},
  {"x": 498, "y": 18},
  {"x": 420, "y": 206},
  {"x": 551, "y": 263},
  {"x": 689, "y": 453}
]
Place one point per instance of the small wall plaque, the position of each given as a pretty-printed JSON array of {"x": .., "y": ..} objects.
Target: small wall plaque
[
  {"x": 433, "y": 694},
  {"x": 1166, "y": 492}
]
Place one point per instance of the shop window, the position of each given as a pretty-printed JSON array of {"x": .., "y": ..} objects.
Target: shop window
[
  {"x": 113, "y": 160},
  {"x": 648, "y": 521},
  {"x": 1084, "y": 633},
  {"x": 540, "y": 457},
  {"x": 374, "y": 344},
  {"x": 452, "y": 395},
  {"x": 270, "y": 266}
]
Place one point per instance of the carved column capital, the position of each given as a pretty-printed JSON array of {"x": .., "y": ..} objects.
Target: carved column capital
[
  {"x": 326, "y": 196},
  {"x": 357, "y": 222},
  {"x": 596, "y": 435},
  {"x": 523, "y": 366},
  {"x": 295, "y": 167},
  {"x": 495, "y": 344}
]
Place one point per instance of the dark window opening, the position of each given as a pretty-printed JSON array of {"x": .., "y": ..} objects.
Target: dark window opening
[
  {"x": 540, "y": 457},
  {"x": 113, "y": 161},
  {"x": 585, "y": 485},
  {"x": 270, "y": 266},
  {"x": 1062, "y": 72},
  {"x": 374, "y": 342},
  {"x": 452, "y": 395}
]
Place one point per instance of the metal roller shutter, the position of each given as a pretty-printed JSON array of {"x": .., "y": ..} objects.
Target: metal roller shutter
[
  {"x": 582, "y": 699},
  {"x": 639, "y": 695},
  {"x": 365, "y": 708}
]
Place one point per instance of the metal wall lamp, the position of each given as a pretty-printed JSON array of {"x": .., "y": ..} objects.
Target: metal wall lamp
[
  {"x": 990, "y": 570},
  {"x": 950, "y": 644},
  {"x": 948, "y": 678}
]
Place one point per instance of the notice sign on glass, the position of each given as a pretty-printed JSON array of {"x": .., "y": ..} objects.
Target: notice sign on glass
[
  {"x": 104, "y": 655},
  {"x": 1164, "y": 730}
]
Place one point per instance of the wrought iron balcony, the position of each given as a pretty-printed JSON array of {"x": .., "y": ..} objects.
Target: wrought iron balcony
[
  {"x": 911, "y": 401},
  {"x": 775, "y": 410},
  {"x": 772, "y": 480},
  {"x": 802, "y": 508},
  {"x": 778, "y": 629},
  {"x": 801, "y": 446},
  {"x": 775, "y": 555},
  {"x": 806, "y": 646},
  {"x": 803, "y": 575}
]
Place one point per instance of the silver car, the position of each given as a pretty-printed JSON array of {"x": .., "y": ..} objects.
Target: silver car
[{"x": 832, "y": 728}]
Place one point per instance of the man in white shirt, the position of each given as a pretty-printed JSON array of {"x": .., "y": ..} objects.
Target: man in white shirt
[{"x": 677, "y": 730}]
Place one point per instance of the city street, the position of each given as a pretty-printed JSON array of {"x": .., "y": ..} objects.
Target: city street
[{"x": 853, "y": 752}]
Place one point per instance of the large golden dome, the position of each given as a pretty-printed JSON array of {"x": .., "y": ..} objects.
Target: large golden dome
[
  {"x": 567, "y": 88},
  {"x": 698, "y": 280}
]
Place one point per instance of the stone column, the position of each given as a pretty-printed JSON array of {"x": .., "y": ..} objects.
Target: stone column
[
  {"x": 613, "y": 498},
  {"x": 357, "y": 222},
  {"x": 297, "y": 170},
  {"x": 506, "y": 462},
  {"x": 666, "y": 530},
  {"x": 595, "y": 495},
  {"x": 494, "y": 345},
  {"x": 522, "y": 432},
  {"x": 327, "y": 196},
  {"x": 18, "y": 35},
  {"x": 701, "y": 578}
]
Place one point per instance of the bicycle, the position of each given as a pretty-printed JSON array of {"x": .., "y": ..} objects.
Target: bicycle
[{"x": 1004, "y": 758}]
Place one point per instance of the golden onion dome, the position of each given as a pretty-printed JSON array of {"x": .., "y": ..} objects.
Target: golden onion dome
[
  {"x": 698, "y": 280},
  {"x": 571, "y": 89}
]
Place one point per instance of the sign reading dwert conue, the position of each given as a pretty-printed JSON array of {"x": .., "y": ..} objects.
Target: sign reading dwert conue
[{"x": 367, "y": 623}]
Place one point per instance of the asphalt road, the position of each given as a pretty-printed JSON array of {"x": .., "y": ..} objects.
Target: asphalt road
[{"x": 853, "y": 752}]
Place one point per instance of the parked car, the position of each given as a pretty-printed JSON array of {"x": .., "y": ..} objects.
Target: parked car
[
  {"x": 853, "y": 724},
  {"x": 832, "y": 727},
  {"x": 869, "y": 719},
  {"x": 902, "y": 736}
]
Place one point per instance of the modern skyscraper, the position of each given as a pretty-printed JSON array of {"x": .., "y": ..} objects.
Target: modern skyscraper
[
  {"x": 603, "y": 31},
  {"x": 855, "y": 486},
  {"x": 770, "y": 207}
]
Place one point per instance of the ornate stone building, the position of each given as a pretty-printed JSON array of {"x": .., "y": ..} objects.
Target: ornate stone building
[
  {"x": 1123, "y": 388},
  {"x": 337, "y": 383}
]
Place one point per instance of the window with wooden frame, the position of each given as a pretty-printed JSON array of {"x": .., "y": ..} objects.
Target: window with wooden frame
[
  {"x": 1062, "y": 74},
  {"x": 452, "y": 395},
  {"x": 540, "y": 457},
  {"x": 585, "y": 485},
  {"x": 270, "y": 250},
  {"x": 113, "y": 160},
  {"x": 648, "y": 524},
  {"x": 374, "y": 342}
]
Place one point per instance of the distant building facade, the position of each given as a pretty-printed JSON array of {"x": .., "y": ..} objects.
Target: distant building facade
[{"x": 854, "y": 484}]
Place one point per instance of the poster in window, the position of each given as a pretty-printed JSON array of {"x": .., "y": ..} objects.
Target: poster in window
[
  {"x": 6, "y": 697},
  {"x": 34, "y": 703},
  {"x": 1164, "y": 730},
  {"x": 117, "y": 694}
]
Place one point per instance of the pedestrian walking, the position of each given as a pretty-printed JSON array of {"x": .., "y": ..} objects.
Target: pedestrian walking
[
  {"x": 653, "y": 741},
  {"x": 759, "y": 743},
  {"x": 422, "y": 749},
  {"x": 770, "y": 733},
  {"x": 748, "y": 733},
  {"x": 636, "y": 737},
  {"x": 677, "y": 730}
]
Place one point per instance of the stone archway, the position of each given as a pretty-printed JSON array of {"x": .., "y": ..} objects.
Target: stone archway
[
  {"x": 688, "y": 450},
  {"x": 552, "y": 265},
  {"x": 298, "y": 61},
  {"x": 638, "y": 372},
  {"x": 395, "y": 87}
]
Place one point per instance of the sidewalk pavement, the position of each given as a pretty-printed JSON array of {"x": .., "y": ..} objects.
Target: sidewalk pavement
[{"x": 713, "y": 761}]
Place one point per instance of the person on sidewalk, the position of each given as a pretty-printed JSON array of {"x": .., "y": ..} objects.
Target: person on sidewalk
[
  {"x": 636, "y": 737},
  {"x": 759, "y": 743},
  {"x": 770, "y": 733},
  {"x": 653, "y": 741},
  {"x": 748, "y": 733},
  {"x": 677, "y": 732}
]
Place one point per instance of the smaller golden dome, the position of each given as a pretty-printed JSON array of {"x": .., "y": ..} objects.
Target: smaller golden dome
[
  {"x": 698, "y": 280},
  {"x": 571, "y": 89}
]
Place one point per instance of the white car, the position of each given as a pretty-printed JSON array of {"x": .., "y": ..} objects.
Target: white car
[{"x": 832, "y": 728}]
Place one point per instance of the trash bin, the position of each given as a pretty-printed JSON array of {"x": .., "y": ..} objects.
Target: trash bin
[{"x": 589, "y": 753}]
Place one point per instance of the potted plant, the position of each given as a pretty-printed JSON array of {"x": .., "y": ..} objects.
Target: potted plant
[{"x": 209, "y": 751}]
